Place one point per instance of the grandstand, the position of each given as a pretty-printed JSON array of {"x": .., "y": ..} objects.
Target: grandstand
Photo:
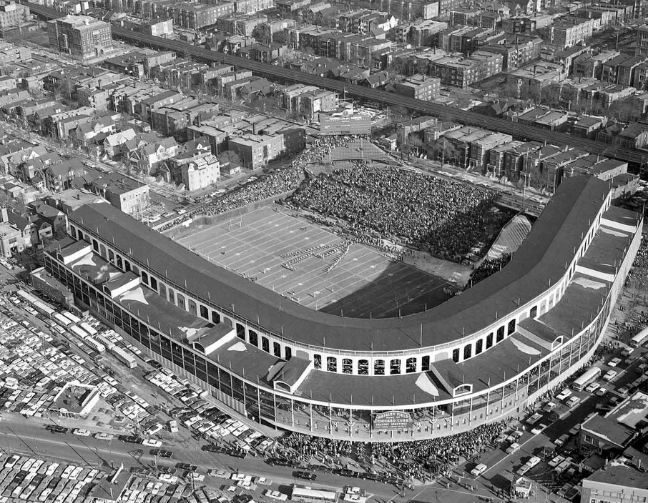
[
  {"x": 510, "y": 237},
  {"x": 479, "y": 357}
]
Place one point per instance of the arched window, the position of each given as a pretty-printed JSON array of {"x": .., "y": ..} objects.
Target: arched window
[
  {"x": 331, "y": 364},
  {"x": 240, "y": 331},
  {"x": 467, "y": 351},
  {"x": 410, "y": 365},
  {"x": 395, "y": 366},
  {"x": 379, "y": 367},
  {"x": 455, "y": 355},
  {"x": 363, "y": 367}
]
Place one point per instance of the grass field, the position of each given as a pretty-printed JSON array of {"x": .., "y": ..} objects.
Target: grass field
[{"x": 313, "y": 266}]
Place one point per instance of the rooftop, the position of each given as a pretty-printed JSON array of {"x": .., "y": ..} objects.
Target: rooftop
[
  {"x": 608, "y": 429},
  {"x": 620, "y": 475}
]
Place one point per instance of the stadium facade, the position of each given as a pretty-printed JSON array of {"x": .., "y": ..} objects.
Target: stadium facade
[{"x": 479, "y": 357}]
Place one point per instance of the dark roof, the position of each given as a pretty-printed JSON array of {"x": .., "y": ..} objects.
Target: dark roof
[
  {"x": 609, "y": 430},
  {"x": 620, "y": 475},
  {"x": 293, "y": 370},
  {"x": 540, "y": 261}
]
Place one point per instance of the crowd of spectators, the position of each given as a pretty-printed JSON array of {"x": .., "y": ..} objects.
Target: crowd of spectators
[
  {"x": 279, "y": 181},
  {"x": 443, "y": 216},
  {"x": 488, "y": 268},
  {"x": 635, "y": 318},
  {"x": 410, "y": 460}
]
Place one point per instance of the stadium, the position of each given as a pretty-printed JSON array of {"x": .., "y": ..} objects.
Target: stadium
[{"x": 476, "y": 358}]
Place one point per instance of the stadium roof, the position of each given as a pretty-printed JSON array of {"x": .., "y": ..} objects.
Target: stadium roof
[{"x": 540, "y": 261}]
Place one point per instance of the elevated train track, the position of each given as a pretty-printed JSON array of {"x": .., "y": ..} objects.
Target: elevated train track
[{"x": 519, "y": 131}]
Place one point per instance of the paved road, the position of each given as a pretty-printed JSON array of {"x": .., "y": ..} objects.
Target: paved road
[{"x": 20, "y": 436}]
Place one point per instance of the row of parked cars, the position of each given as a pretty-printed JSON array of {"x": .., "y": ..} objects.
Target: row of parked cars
[
  {"x": 36, "y": 480},
  {"x": 34, "y": 368}
]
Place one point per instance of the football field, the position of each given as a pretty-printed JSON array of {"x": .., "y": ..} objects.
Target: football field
[{"x": 313, "y": 266}]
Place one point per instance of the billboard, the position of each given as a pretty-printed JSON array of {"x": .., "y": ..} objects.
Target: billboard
[{"x": 392, "y": 420}]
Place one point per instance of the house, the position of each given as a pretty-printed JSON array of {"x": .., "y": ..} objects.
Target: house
[
  {"x": 60, "y": 176},
  {"x": 124, "y": 193},
  {"x": 14, "y": 154},
  {"x": 147, "y": 150},
  {"x": 635, "y": 135},
  {"x": 376, "y": 80},
  {"x": 112, "y": 144},
  {"x": 587, "y": 126},
  {"x": 200, "y": 173},
  {"x": 33, "y": 230},
  {"x": 53, "y": 216},
  {"x": 85, "y": 133}
]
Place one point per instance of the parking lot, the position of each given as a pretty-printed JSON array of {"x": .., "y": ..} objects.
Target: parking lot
[{"x": 545, "y": 447}]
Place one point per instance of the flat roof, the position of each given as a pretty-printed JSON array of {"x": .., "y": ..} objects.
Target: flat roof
[
  {"x": 620, "y": 475},
  {"x": 580, "y": 303},
  {"x": 606, "y": 250},
  {"x": 541, "y": 260},
  {"x": 94, "y": 269},
  {"x": 609, "y": 429}
]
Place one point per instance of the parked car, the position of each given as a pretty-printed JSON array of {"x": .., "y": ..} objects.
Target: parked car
[
  {"x": 478, "y": 470},
  {"x": 614, "y": 362},
  {"x": 592, "y": 387},
  {"x": 573, "y": 402},
  {"x": 161, "y": 453},
  {"x": 564, "y": 394},
  {"x": 512, "y": 448},
  {"x": 55, "y": 428},
  {"x": 304, "y": 475},
  {"x": 609, "y": 375},
  {"x": 561, "y": 440}
]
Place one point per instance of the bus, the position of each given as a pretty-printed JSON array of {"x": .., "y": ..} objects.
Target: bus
[
  {"x": 36, "y": 303},
  {"x": 309, "y": 495},
  {"x": 79, "y": 332},
  {"x": 589, "y": 376},
  {"x": 88, "y": 328},
  {"x": 61, "y": 320},
  {"x": 44, "y": 308},
  {"x": 73, "y": 318},
  {"x": 640, "y": 338},
  {"x": 124, "y": 356},
  {"x": 92, "y": 343}
]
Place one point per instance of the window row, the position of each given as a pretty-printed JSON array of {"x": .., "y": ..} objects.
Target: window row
[{"x": 380, "y": 366}]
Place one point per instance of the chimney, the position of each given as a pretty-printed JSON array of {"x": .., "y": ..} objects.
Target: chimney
[{"x": 4, "y": 216}]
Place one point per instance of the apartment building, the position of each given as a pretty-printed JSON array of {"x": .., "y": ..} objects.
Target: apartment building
[
  {"x": 419, "y": 87},
  {"x": 82, "y": 37}
]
